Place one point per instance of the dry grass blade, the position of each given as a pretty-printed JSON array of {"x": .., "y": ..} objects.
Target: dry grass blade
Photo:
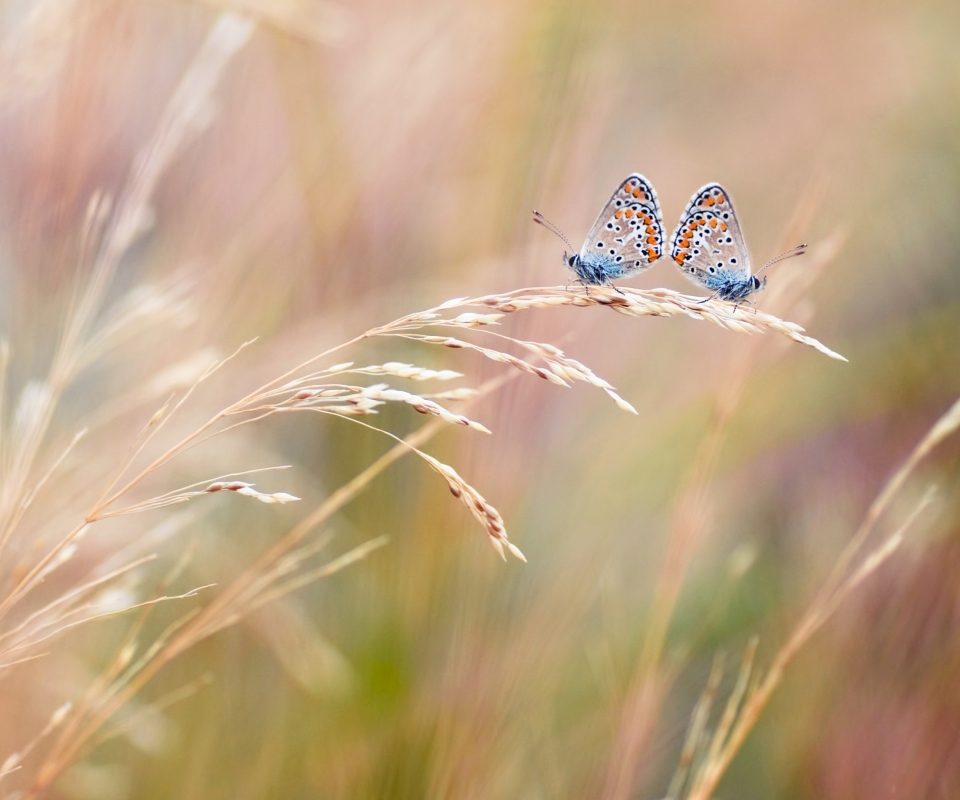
[
  {"x": 722, "y": 751},
  {"x": 693, "y": 744},
  {"x": 145, "y": 604},
  {"x": 482, "y": 511},
  {"x": 838, "y": 586},
  {"x": 14, "y": 761},
  {"x": 60, "y": 608},
  {"x": 734, "y": 702},
  {"x": 187, "y": 111},
  {"x": 169, "y": 699},
  {"x": 946, "y": 426},
  {"x": 258, "y": 584},
  {"x": 358, "y": 553}
]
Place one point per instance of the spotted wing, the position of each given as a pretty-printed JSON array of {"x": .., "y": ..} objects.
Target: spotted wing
[
  {"x": 628, "y": 235},
  {"x": 708, "y": 244}
]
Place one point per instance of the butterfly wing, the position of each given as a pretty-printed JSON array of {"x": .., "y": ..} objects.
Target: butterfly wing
[
  {"x": 708, "y": 244},
  {"x": 628, "y": 235}
]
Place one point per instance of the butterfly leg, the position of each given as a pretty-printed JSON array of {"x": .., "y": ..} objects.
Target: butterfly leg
[
  {"x": 752, "y": 301},
  {"x": 708, "y": 299},
  {"x": 585, "y": 285},
  {"x": 616, "y": 289}
]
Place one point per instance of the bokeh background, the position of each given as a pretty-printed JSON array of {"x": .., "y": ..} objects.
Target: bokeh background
[{"x": 364, "y": 160}]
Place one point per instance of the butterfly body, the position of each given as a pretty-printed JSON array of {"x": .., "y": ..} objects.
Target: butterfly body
[
  {"x": 626, "y": 238},
  {"x": 709, "y": 248},
  {"x": 727, "y": 285},
  {"x": 595, "y": 271}
]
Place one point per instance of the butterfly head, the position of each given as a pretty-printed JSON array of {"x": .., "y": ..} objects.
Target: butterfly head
[{"x": 756, "y": 284}]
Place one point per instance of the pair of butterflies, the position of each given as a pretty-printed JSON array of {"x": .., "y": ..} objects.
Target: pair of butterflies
[{"x": 707, "y": 245}]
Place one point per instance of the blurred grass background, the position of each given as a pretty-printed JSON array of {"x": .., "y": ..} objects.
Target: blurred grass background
[{"x": 369, "y": 159}]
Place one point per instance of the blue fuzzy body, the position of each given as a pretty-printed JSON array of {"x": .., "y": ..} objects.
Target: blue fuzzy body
[
  {"x": 598, "y": 272},
  {"x": 733, "y": 286}
]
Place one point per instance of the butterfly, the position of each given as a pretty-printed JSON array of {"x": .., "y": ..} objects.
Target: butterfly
[
  {"x": 709, "y": 249},
  {"x": 626, "y": 238}
]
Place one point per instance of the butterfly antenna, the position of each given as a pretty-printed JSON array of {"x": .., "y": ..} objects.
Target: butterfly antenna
[
  {"x": 799, "y": 250},
  {"x": 542, "y": 220}
]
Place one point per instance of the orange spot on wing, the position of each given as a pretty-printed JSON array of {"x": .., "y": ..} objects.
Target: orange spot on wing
[
  {"x": 723, "y": 226},
  {"x": 679, "y": 258},
  {"x": 710, "y": 201},
  {"x": 637, "y": 192},
  {"x": 618, "y": 214},
  {"x": 651, "y": 229},
  {"x": 651, "y": 240},
  {"x": 628, "y": 213},
  {"x": 721, "y": 198},
  {"x": 713, "y": 223},
  {"x": 652, "y": 254}
]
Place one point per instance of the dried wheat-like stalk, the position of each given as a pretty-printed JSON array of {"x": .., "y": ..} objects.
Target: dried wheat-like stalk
[{"x": 654, "y": 303}]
